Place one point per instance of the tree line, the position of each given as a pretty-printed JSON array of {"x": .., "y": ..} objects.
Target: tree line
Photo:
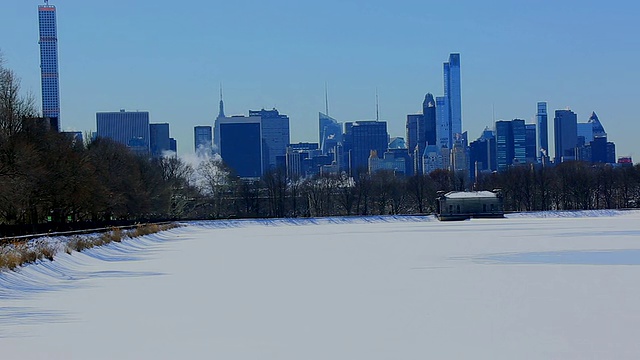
[{"x": 54, "y": 180}]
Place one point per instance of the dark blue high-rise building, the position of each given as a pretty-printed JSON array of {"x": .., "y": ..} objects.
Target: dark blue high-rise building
[
  {"x": 362, "y": 137},
  {"x": 519, "y": 141},
  {"x": 49, "y": 64},
  {"x": 427, "y": 127},
  {"x": 159, "y": 139},
  {"x": 530, "y": 143},
  {"x": 602, "y": 151},
  {"x": 240, "y": 145},
  {"x": 482, "y": 153},
  {"x": 515, "y": 143},
  {"x": 412, "y": 131},
  {"x": 504, "y": 144},
  {"x": 565, "y": 126}
]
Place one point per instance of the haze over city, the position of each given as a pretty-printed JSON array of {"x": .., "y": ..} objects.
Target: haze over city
[{"x": 170, "y": 60}]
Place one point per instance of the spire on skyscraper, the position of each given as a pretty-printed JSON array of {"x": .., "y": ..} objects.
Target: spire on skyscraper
[
  {"x": 326, "y": 99},
  {"x": 221, "y": 111}
]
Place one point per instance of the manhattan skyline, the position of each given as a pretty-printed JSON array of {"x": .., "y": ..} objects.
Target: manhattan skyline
[{"x": 170, "y": 60}]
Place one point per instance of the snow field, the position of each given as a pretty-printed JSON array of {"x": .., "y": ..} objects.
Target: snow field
[{"x": 532, "y": 286}]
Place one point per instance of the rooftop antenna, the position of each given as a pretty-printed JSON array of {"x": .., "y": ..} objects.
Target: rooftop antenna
[
  {"x": 221, "y": 106},
  {"x": 377, "y": 106},
  {"x": 326, "y": 99}
]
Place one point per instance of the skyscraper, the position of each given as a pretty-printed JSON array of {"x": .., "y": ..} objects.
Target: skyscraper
[
  {"x": 504, "y": 144},
  {"x": 412, "y": 131},
  {"x": 422, "y": 131},
  {"x": 240, "y": 144},
  {"x": 452, "y": 91},
  {"x": 543, "y": 130},
  {"x": 202, "y": 138},
  {"x": 159, "y": 139},
  {"x": 598, "y": 129},
  {"x": 482, "y": 154},
  {"x": 427, "y": 127},
  {"x": 530, "y": 143},
  {"x": 329, "y": 133},
  {"x": 126, "y": 127},
  {"x": 519, "y": 141},
  {"x": 443, "y": 131},
  {"x": 49, "y": 63},
  {"x": 363, "y": 137},
  {"x": 275, "y": 137},
  {"x": 565, "y": 126}
]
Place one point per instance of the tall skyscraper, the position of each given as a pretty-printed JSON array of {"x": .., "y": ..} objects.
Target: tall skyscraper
[
  {"x": 443, "y": 131},
  {"x": 452, "y": 91},
  {"x": 49, "y": 63},
  {"x": 130, "y": 128},
  {"x": 267, "y": 129},
  {"x": 412, "y": 131},
  {"x": 275, "y": 137},
  {"x": 565, "y": 126},
  {"x": 240, "y": 144},
  {"x": 519, "y": 141},
  {"x": 530, "y": 143},
  {"x": 202, "y": 138},
  {"x": 363, "y": 137},
  {"x": 329, "y": 133},
  {"x": 543, "y": 130},
  {"x": 422, "y": 131},
  {"x": 159, "y": 139},
  {"x": 427, "y": 128},
  {"x": 504, "y": 144}
]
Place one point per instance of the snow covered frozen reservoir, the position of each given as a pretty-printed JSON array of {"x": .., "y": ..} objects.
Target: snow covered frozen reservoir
[{"x": 538, "y": 286}]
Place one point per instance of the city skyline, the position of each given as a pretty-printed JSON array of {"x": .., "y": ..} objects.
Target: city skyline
[{"x": 505, "y": 76}]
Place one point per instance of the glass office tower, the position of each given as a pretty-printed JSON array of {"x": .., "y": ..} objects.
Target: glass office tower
[
  {"x": 543, "y": 132},
  {"x": 452, "y": 91}
]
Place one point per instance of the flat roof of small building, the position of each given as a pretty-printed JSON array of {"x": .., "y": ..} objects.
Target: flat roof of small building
[{"x": 470, "y": 194}]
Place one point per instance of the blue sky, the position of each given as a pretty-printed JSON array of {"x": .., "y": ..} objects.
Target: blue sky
[{"x": 169, "y": 59}]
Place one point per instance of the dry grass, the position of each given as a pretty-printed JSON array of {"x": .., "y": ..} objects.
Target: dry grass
[
  {"x": 14, "y": 255},
  {"x": 17, "y": 254}
]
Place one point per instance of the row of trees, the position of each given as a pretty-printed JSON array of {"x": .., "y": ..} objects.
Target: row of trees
[
  {"x": 568, "y": 186},
  {"x": 48, "y": 177}
]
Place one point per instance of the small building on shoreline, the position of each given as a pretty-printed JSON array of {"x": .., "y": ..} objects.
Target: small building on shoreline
[{"x": 458, "y": 205}]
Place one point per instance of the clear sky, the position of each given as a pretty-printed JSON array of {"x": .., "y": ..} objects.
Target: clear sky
[{"x": 169, "y": 59}]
